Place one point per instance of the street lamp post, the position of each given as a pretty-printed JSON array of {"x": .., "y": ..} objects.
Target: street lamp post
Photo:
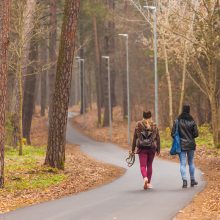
[
  {"x": 77, "y": 80},
  {"x": 76, "y": 88},
  {"x": 154, "y": 9},
  {"x": 82, "y": 83},
  {"x": 83, "y": 90},
  {"x": 128, "y": 88},
  {"x": 109, "y": 97}
]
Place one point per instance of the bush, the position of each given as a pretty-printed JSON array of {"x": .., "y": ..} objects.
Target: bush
[{"x": 205, "y": 136}]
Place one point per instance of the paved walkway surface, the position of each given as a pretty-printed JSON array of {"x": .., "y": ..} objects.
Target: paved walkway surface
[{"x": 123, "y": 199}]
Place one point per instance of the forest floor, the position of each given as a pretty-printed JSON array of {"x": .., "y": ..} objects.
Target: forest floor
[
  {"x": 206, "y": 205},
  {"x": 28, "y": 181}
]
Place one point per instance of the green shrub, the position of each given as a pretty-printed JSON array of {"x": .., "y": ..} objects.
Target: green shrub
[{"x": 205, "y": 137}]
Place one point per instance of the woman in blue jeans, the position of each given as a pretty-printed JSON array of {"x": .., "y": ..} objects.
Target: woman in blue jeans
[{"x": 188, "y": 131}]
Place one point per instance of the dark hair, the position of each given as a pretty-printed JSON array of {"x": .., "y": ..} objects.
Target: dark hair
[
  {"x": 147, "y": 114},
  {"x": 186, "y": 109}
]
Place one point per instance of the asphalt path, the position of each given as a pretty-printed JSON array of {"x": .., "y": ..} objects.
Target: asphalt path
[{"x": 124, "y": 198}]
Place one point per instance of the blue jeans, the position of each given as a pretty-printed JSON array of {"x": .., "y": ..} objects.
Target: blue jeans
[{"x": 190, "y": 156}]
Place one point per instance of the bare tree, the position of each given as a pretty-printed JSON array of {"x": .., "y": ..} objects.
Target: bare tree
[
  {"x": 22, "y": 27},
  {"x": 205, "y": 58},
  {"x": 29, "y": 89}
]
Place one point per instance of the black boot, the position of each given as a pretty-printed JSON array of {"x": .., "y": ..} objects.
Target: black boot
[
  {"x": 193, "y": 183},
  {"x": 184, "y": 183}
]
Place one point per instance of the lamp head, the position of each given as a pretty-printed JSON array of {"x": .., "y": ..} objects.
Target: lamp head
[
  {"x": 105, "y": 57},
  {"x": 150, "y": 7},
  {"x": 124, "y": 35}
]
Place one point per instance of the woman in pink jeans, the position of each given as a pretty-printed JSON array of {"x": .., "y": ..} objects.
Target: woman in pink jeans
[{"x": 147, "y": 140}]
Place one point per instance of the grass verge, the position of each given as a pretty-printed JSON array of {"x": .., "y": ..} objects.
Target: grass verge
[
  {"x": 27, "y": 171},
  {"x": 28, "y": 181}
]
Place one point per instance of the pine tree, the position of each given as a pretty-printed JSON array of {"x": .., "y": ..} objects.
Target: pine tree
[{"x": 55, "y": 156}]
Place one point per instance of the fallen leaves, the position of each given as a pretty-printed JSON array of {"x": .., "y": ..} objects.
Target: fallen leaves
[
  {"x": 206, "y": 205},
  {"x": 81, "y": 173}
]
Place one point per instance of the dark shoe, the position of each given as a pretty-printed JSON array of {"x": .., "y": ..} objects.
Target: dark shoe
[
  {"x": 193, "y": 183},
  {"x": 184, "y": 183}
]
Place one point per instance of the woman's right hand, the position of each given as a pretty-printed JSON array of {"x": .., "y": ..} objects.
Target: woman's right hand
[{"x": 131, "y": 152}]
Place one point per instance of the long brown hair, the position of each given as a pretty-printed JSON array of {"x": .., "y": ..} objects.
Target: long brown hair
[{"x": 148, "y": 122}]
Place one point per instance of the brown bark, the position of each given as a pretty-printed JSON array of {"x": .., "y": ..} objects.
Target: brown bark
[
  {"x": 169, "y": 84},
  {"x": 109, "y": 50},
  {"x": 52, "y": 49},
  {"x": 112, "y": 52},
  {"x": 29, "y": 10},
  {"x": 10, "y": 90},
  {"x": 89, "y": 91},
  {"x": 4, "y": 41},
  {"x": 215, "y": 110},
  {"x": 98, "y": 70},
  {"x": 124, "y": 79},
  {"x": 55, "y": 156},
  {"x": 29, "y": 89},
  {"x": 43, "y": 77}
]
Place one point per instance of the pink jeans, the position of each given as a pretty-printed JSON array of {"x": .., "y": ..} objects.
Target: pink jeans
[{"x": 146, "y": 161}]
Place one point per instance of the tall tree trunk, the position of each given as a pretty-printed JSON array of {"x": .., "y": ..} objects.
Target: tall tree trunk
[
  {"x": 55, "y": 156},
  {"x": 15, "y": 114},
  {"x": 10, "y": 90},
  {"x": 109, "y": 43},
  {"x": 98, "y": 70},
  {"x": 52, "y": 49},
  {"x": 4, "y": 41},
  {"x": 29, "y": 89},
  {"x": 170, "y": 93},
  {"x": 24, "y": 30},
  {"x": 215, "y": 109},
  {"x": 19, "y": 108},
  {"x": 183, "y": 78},
  {"x": 89, "y": 89},
  {"x": 112, "y": 53},
  {"x": 43, "y": 81},
  {"x": 123, "y": 77},
  {"x": 29, "y": 11}
]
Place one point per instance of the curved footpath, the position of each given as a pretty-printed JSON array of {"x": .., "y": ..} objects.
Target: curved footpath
[{"x": 123, "y": 199}]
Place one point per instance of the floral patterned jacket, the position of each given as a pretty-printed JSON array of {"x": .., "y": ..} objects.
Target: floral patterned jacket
[{"x": 140, "y": 126}]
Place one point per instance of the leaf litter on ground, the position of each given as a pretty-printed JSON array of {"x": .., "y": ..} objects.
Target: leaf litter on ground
[{"x": 29, "y": 182}]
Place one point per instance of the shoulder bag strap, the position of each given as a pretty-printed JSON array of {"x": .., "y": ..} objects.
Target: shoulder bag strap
[{"x": 177, "y": 126}]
